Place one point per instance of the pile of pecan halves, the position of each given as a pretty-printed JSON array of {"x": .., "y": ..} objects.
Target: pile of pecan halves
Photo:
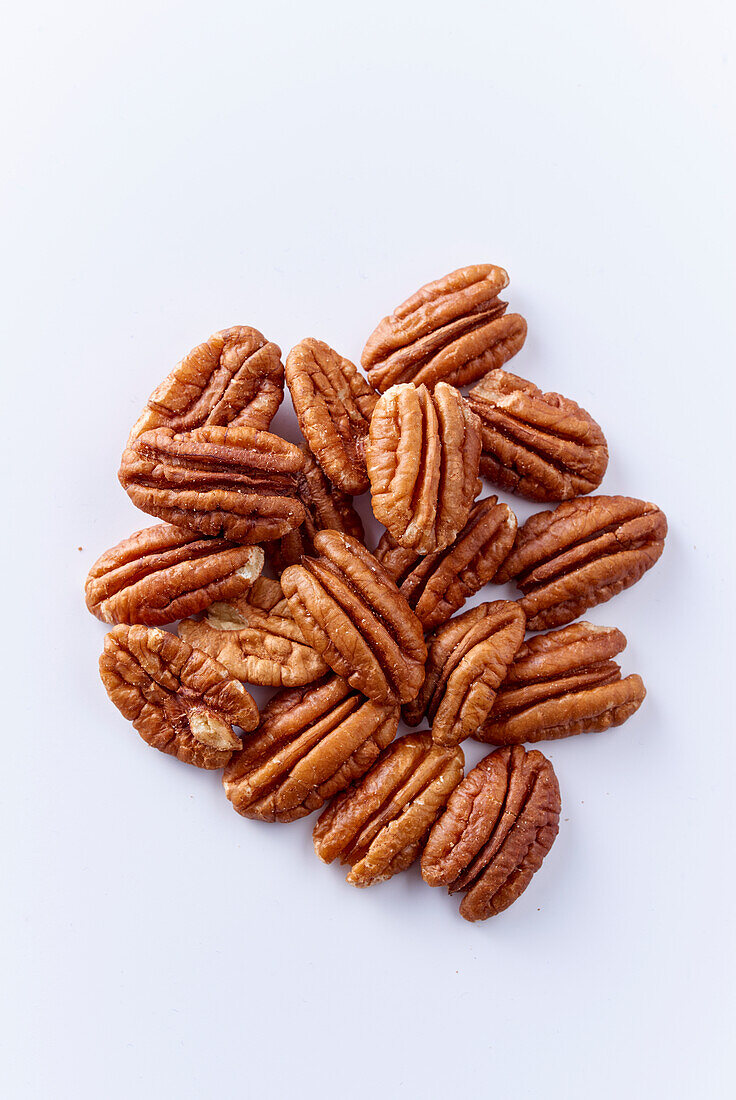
[{"x": 355, "y": 638}]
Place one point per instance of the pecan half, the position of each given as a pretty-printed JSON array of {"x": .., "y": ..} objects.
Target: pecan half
[
  {"x": 563, "y": 683},
  {"x": 164, "y": 573},
  {"x": 499, "y": 824},
  {"x": 379, "y": 824},
  {"x": 334, "y": 405},
  {"x": 422, "y": 457},
  {"x": 181, "y": 701},
  {"x": 236, "y": 482},
  {"x": 540, "y": 445},
  {"x": 451, "y": 330},
  {"x": 236, "y": 377},
  {"x": 468, "y": 659},
  {"x": 352, "y": 613},
  {"x": 436, "y": 586},
  {"x": 311, "y": 743},
  {"x": 581, "y": 554}
]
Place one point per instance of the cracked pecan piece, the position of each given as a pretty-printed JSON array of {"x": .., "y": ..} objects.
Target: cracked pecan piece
[
  {"x": 540, "y": 445},
  {"x": 422, "y": 456},
  {"x": 581, "y": 554},
  {"x": 454, "y": 329},
  {"x": 165, "y": 573},
  {"x": 334, "y": 405},
  {"x": 561, "y": 684},
  {"x": 310, "y": 744},
  {"x": 236, "y": 377},
  {"x": 179, "y": 700},
  {"x": 378, "y": 825},
  {"x": 352, "y": 613},
  {"x": 467, "y": 661},
  {"x": 437, "y": 585},
  {"x": 238, "y": 483},
  {"x": 256, "y": 639},
  {"x": 499, "y": 824}
]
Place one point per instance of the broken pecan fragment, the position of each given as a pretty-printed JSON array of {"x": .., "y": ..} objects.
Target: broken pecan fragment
[
  {"x": 379, "y": 824},
  {"x": 540, "y": 445},
  {"x": 334, "y": 405},
  {"x": 164, "y": 573},
  {"x": 563, "y": 683},
  {"x": 310, "y": 744},
  {"x": 352, "y": 613},
  {"x": 422, "y": 457},
  {"x": 239, "y": 483},
  {"x": 236, "y": 377},
  {"x": 436, "y": 586},
  {"x": 451, "y": 330},
  {"x": 181, "y": 701},
  {"x": 467, "y": 661},
  {"x": 499, "y": 824},
  {"x": 581, "y": 554}
]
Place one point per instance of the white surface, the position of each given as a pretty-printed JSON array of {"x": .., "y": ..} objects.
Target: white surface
[{"x": 175, "y": 168}]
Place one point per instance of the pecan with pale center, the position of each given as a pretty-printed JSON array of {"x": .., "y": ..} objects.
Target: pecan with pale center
[
  {"x": 378, "y": 825},
  {"x": 467, "y": 662},
  {"x": 499, "y": 824},
  {"x": 422, "y": 456},
  {"x": 310, "y": 744},
  {"x": 454, "y": 329},
  {"x": 437, "y": 585},
  {"x": 239, "y": 483},
  {"x": 352, "y": 613},
  {"x": 581, "y": 554},
  {"x": 540, "y": 445},
  {"x": 236, "y": 377},
  {"x": 334, "y": 405},
  {"x": 180, "y": 700}
]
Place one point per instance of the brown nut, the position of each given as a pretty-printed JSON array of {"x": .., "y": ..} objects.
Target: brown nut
[
  {"x": 451, "y": 330},
  {"x": 436, "y": 586},
  {"x": 236, "y": 377},
  {"x": 539, "y": 445},
  {"x": 467, "y": 661},
  {"x": 352, "y": 613},
  {"x": 334, "y": 405},
  {"x": 499, "y": 824},
  {"x": 164, "y": 573},
  {"x": 256, "y": 639},
  {"x": 181, "y": 701},
  {"x": 239, "y": 483},
  {"x": 311, "y": 743},
  {"x": 563, "y": 683},
  {"x": 581, "y": 554},
  {"x": 422, "y": 457},
  {"x": 379, "y": 824}
]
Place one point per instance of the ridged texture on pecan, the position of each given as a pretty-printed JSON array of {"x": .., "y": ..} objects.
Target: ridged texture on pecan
[
  {"x": 352, "y": 613},
  {"x": 256, "y": 639},
  {"x": 467, "y": 661},
  {"x": 436, "y": 586},
  {"x": 423, "y": 454},
  {"x": 236, "y": 377},
  {"x": 180, "y": 700},
  {"x": 239, "y": 483},
  {"x": 499, "y": 824},
  {"x": 334, "y": 405},
  {"x": 451, "y": 330},
  {"x": 379, "y": 824},
  {"x": 581, "y": 554},
  {"x": 164, "y": 573},
  {"x": 563, "y": 683},
  {"x": 311, "y": 743},
  {"x": 540, "y": 445}
]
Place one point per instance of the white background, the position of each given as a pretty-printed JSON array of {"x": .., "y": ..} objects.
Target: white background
[{"x": 171, "y": 169}]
